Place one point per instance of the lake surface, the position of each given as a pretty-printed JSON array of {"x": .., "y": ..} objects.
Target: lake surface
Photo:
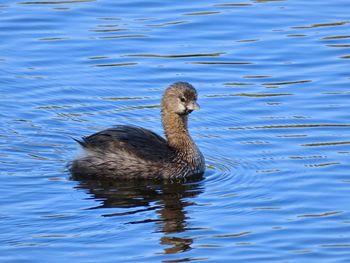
[{"x": 274, "y": 88}]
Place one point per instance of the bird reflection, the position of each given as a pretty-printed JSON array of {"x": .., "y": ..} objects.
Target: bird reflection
[{"x": 168, "y": 198}]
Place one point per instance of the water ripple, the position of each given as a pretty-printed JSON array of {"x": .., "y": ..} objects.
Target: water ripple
[
  {"x": 222, "y": 63},
  {"x": 177, "y": 55},
  {"x": 337, "y": 23},
  {"x": 55, "y": 2}
]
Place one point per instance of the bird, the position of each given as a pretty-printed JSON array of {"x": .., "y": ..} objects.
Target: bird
[{"x": 127, "y": 151}]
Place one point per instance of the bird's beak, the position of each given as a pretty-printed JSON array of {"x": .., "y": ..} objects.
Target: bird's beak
[{"x": 193, "y": 105}]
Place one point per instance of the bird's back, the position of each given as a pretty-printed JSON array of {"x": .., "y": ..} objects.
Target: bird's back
[{"x": 123, "y": 151}]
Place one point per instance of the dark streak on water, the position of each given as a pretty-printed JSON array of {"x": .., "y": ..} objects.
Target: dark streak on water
[{"x": 273, "y": 79}]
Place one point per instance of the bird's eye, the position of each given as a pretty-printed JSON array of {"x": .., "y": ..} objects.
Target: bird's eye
[{"x": 182, "y": 99}]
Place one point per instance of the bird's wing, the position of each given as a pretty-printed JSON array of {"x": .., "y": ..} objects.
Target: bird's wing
[{"x": 132, "y": 139}]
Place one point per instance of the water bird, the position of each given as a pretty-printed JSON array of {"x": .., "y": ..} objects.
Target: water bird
[{"x": 125, "y": 151}]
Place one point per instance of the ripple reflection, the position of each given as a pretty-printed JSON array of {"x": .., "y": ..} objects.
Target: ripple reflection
[{"x": 169, "y": 199}]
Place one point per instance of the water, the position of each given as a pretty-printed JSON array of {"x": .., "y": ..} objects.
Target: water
[{"x": 273, "y": 79}]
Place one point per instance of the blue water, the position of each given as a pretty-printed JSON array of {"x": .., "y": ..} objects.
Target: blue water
[{"x": 274, "y": 88}]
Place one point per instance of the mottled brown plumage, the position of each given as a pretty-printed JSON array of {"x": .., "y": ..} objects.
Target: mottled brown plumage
[{"x": 135, "y": 152}]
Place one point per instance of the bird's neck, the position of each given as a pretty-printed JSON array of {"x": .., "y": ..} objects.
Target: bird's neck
[{"x": 176, "y": 132}]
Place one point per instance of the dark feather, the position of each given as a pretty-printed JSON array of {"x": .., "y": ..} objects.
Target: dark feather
[
  {"x": 136, "y": 140},
  {"x": 80, "y": 142}
]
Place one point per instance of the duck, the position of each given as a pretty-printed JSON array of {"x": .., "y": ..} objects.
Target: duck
[{"x": 127, "y": 151}]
